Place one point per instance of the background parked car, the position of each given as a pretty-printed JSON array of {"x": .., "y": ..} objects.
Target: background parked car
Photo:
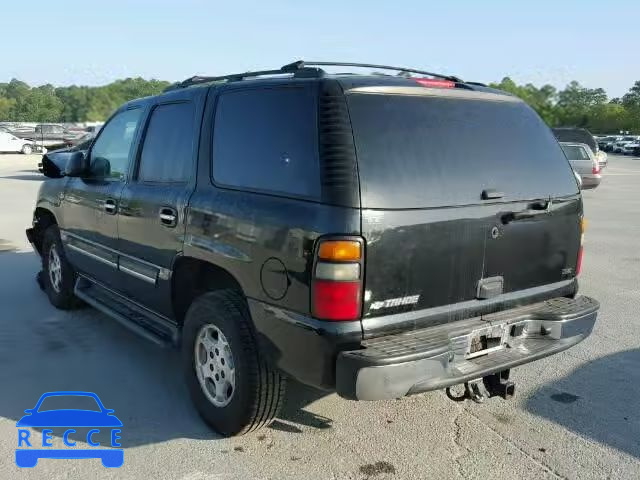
[
  {"x": 630, "y": 148},
  {"x": 11, "y": 143},
  {"x": 606, "y": 143},
  {"x": 584, "y": 163},
  {"x": 582, "y": 136},
  {"x": 50, "y": 135},
  {"x": 617, "y": 147}
]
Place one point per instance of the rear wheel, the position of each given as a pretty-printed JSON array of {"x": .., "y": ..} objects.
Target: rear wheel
[
  {"x": 27, "y": 149},
  {"x": 58, "y": 277},
  {"x": 234, "y": 390}
]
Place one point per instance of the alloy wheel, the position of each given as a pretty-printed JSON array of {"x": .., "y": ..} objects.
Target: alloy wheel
[
  {"x": 214, "y": 365},
  {"x": 55, "y": 269}
]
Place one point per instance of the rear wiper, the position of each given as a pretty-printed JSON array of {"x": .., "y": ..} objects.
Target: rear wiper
[{"x": 535, "y": 209}]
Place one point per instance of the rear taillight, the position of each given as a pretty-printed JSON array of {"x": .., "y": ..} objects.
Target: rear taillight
[
  {"x": 336, "y": 286},
  {"x": 596, "y": 169},
  {"x": 579, "y": 262},
  {"x": 583, "y": 227}
]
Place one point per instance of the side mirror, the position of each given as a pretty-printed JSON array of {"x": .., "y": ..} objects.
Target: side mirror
[
  {"x": 100, "y": 167},
  {"x": 52, "y": 165},
  {"x": 76, "y": 165}
]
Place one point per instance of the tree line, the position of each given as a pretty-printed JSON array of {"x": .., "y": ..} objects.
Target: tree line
[{"x": 575, "y": 105}]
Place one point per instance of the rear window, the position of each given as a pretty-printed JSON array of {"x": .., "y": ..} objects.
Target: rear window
[
  {"x": 576, "y": 135},
  {"x": 416, "y": 151},
  {"x": 574, "y": 152}
]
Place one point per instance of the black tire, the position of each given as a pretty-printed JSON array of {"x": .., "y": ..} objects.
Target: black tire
[
  {"x": 62, "y": 296},
  {"x": 259, "y": 390}
]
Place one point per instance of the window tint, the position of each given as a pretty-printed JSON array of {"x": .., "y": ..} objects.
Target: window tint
[
  {"x": 111, "y": 151},
  {"x": 416, "y": 151},
  {"x": 574, "y": 152},
  {"x": 168, "y": 145},
  {"x": 266, "y": 139},
  {"x": 577, "y": 135}
]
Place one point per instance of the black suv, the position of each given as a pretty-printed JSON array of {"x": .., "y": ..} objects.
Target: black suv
[{"x": 376, "y": 235}]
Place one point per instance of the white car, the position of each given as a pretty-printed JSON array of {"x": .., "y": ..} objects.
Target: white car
[
  {"x": 630, "y": 148},
  {"x": 11, "y": 143},
  {"x": 619, "y": 145}
]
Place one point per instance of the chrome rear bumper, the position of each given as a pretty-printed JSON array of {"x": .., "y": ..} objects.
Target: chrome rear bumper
[{"x": 438, "y": 357}]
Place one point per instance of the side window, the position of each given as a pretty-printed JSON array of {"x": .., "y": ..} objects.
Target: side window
[
  {"x": 112, "y": 149},
  {"x": 266, "y": 139},
  {"x": 167, "y": 151},
  {"x": 583, "y": 154}
]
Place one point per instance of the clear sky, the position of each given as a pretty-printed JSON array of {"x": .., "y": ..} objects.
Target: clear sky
[{"x": 92, "y": 42}]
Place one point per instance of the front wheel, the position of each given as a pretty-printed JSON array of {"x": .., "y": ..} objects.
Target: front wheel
[
  {"x": 27, "y": 149},
  {"x": 58, "y": 277},
  {"x": 234, "y": 390}
]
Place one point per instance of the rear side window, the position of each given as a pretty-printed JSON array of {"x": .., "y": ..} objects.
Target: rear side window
[
  {"x": 167, "y": 153},
  {"x": 576, "y": 135},
  {"x": 575, "y": 152},
  {"x": 265, "y": 139},
  {"x": 430, "y": 151}
]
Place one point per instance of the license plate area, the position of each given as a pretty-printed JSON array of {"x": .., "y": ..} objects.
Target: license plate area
[{"x": 486, "y": 340}]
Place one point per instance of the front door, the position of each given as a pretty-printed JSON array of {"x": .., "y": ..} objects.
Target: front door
[
  {"x": 7, "y": 144},
  {"x": 91, "y": 203},
  {"x": 153, "y": 204}
]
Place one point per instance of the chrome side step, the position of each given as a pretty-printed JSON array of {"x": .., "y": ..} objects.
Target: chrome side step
[{"x": 149, "y": 325}]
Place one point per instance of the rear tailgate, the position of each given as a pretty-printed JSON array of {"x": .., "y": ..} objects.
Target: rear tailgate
[{"x": 468, "y": 203}]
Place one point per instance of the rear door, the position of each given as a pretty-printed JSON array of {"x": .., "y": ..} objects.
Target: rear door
[
  {"x": 466, "y": 196},
  {"x": 151, "y": 222}
]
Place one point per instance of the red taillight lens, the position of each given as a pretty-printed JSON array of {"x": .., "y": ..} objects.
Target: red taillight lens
[
  {"x": 579, "y": 262},
  {"x": 596, "y": 169},
  {"x": 434, "y": 83},
  {"x": 337, "y": 301},
  {"x": 336, "y": 286}
]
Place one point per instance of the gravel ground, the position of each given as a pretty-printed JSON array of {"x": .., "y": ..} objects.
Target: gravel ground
[{"x": 576, "y": 415}]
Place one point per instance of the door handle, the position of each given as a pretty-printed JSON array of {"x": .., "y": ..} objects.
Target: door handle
[
  {"x": 534, "y": 210},
  {"x": 110, "y": 206},
  {"x": 168, "y": 216}
]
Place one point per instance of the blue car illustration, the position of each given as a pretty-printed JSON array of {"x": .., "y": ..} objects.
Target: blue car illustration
[{"x": 111, "y": 457}]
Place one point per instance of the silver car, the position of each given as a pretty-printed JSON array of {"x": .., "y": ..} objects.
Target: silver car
[{"x": 584, "y": 163}]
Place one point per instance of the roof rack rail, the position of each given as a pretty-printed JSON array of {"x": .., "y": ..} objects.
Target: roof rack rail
[
  {"x": 300, "y": 67},
  {"x": 296, "y": 67},
  {"x": 303, "y": 63}
]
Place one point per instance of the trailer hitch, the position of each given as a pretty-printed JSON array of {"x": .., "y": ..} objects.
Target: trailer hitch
[
  {"x": 498, "y": 385},
  {"x": 495, "y": 385},
  {"x": 471, "y": 392}
]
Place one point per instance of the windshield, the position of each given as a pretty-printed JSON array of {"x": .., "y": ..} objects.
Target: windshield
[
  {"x": 416, "y": 151},
  {"x": 66, "y": 402}
]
